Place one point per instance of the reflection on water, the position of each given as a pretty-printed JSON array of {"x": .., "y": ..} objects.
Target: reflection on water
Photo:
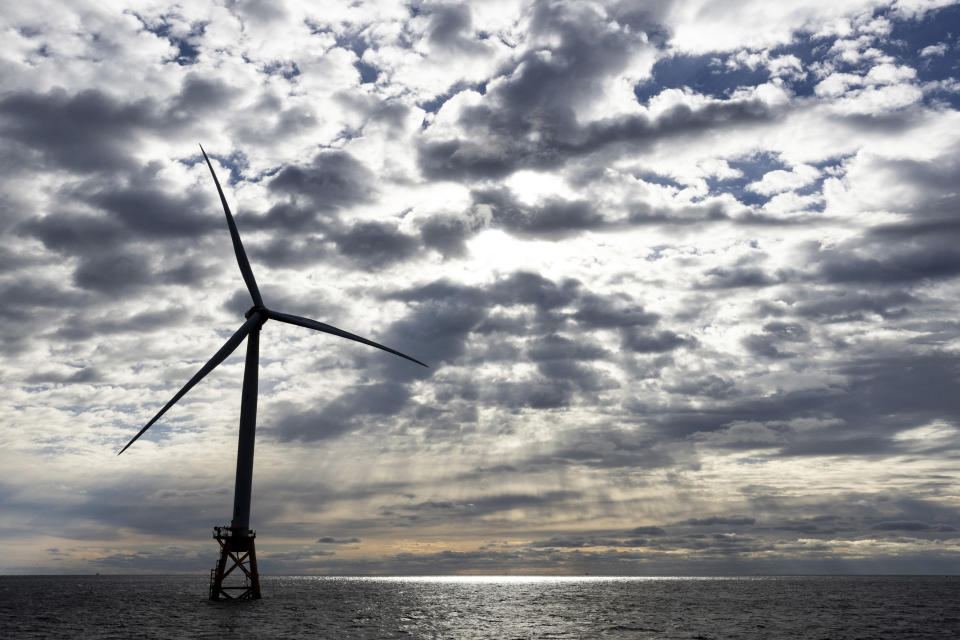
[{"x": 474, "y": 607}]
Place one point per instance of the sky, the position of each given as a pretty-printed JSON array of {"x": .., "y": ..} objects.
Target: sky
[{"x": 685, "y": 273}]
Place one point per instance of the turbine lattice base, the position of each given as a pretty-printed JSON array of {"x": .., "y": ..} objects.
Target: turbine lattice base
[{"x": 236, "y": 552}]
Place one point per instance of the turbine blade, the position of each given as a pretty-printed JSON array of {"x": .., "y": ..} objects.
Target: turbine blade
[
  {"x": 237, "y": 244},
  {"x": 326, "y": 328},
  {"x": 217, "y": 358}
]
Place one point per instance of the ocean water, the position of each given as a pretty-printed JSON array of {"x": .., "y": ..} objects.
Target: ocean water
[{"x": 485, "y": 607}]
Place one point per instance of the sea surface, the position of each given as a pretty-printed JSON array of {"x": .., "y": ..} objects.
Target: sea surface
[{"x": 485, "y": 607}]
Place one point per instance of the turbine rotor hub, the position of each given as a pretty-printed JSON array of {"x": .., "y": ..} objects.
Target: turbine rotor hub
[{"x": 262, "y": 310}]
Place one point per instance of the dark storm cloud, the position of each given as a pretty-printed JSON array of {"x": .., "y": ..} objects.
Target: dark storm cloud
[
  {"x": 451, "y": 30},
  {"x": 902, "y": 525},
  {"x": 902, "y": 265},
  {"x": 787, "y": 331},
  {"x": 184, "y": 271},
  {"x": 827, "y": 525},
  {"x": 81, "y": 375},
  {"x": 486, "y": 505},
  {"x": 526, "y": 288},
  {"x": 136, "y": 211},
  {"x": 704, "y": 545},
  {"x": 606, "y": 446},
  {"x": 83, "y": 326},
  {"x": 113, "y": 272},
  {"x": 833, "y": 444},
  {"x": 330, "y": 540},
  {"x": 144, "y": 502},
  {"x": 92, "y": 131},
  {"x": 711, "y": 386},
  {"x": 642, "y": 213},
  {"x": 164, "y": 560},
  {"x": 720, "y": 520},
  {"x": 537, "y": 393},
  {"x": 596, "y": 312},
  {"x": 149, "y": 213},
  {"x": 86, "y": 132},
  {"x": 507, "y": 146},
  {"x": 392, "y": 113},
  {"x": 299, "y": 239},
  {"x": 438, "y": 329},
  {"x": 485, "y": 473},
  {"x": 497, "y": 323},
  {"x": 333, "y": 180},
  {"x": 769, "y": 344},
  {"x": 572, "y": 542},
  {"x": 343, "y": 414},
  {"x": 308, "y": 425},
  {"x": 449, "y": 313},
  {"x": 30, "y": 307},
  {"x": 375, "y": 245},
  {"x": 116, "y": 248},
  {"x": 556, "y": 347},
  {"x": 199, "y": 95},
  {"x": 599, "y": 455},
  {"x": 581, "y": 376},
  {"x": 40, "y": 293},
  {"x": 741, "y": 276},
  {"x": 74, "y": 233},
  {"x": 882, "y": 395},
  {"x": 446, "y": 234},
  {"x": 844, "y": 305},
  {"x": 648, "y": 531},
  {"x": 261, "y": 11},
  {"x": 917, "y": 247},
  {"x": 931, "y": 208},
  {"x": 679, "y": 120},
  {"x": 642, "y": 341},
  {"x": 553, "y": 218},
  {"x": 855, "y": 514}
]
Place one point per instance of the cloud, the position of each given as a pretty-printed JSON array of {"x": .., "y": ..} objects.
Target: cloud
[
  {"x": 684, "y": 279},
  {"x": 535, "y": 115},
  {"x": 715, "y": 520},
  {"x": 648, "y": 531},
  {"x": 903, "y": 265},
  {"x": 333, "y": 180},
  {"x": 330, "y": 540},
  {"x": 776, "y": 334},
  {"x": 84, "y": 132},
  {"x": 934, "y": 49},
  {"x": 505, "y": 149},
  {"x": 375, "y": 245},
  {"x": 554, "y": 218},
  {"x": 340, "y": 415}
]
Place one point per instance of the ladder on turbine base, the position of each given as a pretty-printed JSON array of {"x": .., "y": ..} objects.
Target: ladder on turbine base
[{"x": 236, "y": 552}]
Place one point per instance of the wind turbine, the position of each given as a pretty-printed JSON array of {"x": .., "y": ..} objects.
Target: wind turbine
[{"x": 236, "y": 541}]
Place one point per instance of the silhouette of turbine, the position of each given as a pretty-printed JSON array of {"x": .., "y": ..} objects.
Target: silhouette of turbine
[{"x": 237, "y": 541}]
